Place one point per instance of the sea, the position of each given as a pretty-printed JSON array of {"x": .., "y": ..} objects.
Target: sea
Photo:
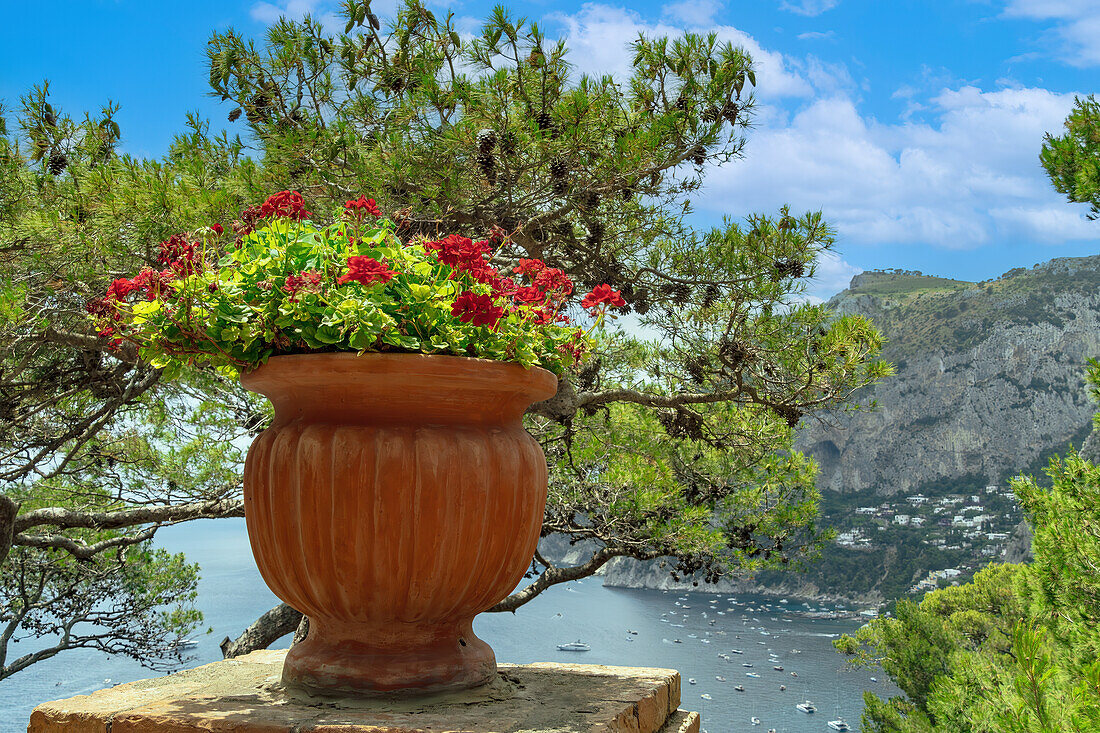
[{"x": 698, "y": 634}]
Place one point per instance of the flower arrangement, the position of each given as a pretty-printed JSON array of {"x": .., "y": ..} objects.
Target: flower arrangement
[{"x": 287, "y": 285}]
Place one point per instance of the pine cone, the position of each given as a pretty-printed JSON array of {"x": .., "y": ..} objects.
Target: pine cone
[
  {"x": 486, "y": 141},
  {"x": 234, "y": 114},
  {"x": 711, "y": 295},
  {"x": 595, "y": 234},
  {"x": 57, "y": 163},
  {"x": 682, "y": 292},
  {"x": 545, "y": 122},
  {"x": 558, "y": 168},
  {"x": 589, "y": 200},
  {"x": 732, "y": 353},
  {"x": 788, "y": 413},
  {"x": 681, "y": 104},
  {"x": 699, "y": 155},
  {"x": 711, "y": 114},
  {"x": 729, "y": 111}
]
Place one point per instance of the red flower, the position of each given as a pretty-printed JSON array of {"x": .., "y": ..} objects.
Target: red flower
[
  {"x": 366, "y": 270},
  {"x": 285, "y": 204},
  {"x": 600, "y": 295},
  {"x": 155, "y": 283},
  {"x": 460, "y": 252},
  {"x": 531, "y": 268},
  {"x": 217, "y": 229},
  {"x": 305, "y": 280},
  {"x": 530, "y": 294},
  {"x": 364, "y": 204},
  {"x": 120, "y": 288},
  {"x": 476, "y": 309},
  {"x": 551, "y": 279}
]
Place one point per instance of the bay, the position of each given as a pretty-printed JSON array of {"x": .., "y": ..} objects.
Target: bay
[{"x": 687, "y": 632}]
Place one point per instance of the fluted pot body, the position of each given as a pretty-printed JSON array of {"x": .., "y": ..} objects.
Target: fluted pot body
[{"x": 393, "y": 498}]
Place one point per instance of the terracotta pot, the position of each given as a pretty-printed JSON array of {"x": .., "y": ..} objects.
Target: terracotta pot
[{"x": 393, "y": 498}]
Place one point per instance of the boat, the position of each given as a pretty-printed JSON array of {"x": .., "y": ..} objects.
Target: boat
[
  {"x": 778, "y": 668},
  {"x": 186, "y": 644},
  {"x": 838, "y": 724},
  {"x": 806, "y": 707},
  {"x": 874, "y": 679},
  {"x": 705, "y": 696},
  {"x": 746, "y": 664},
  {"x": 691, "y": 636},
  {"x": 736, "y": 651},
  {"x": 691, "y": 680},
  {"x": 782, "y": 688},
  {"x": 739, "y": 688},
  {"x": 631, "y": 631},
  {"x": 794, "y": 674},
  {"x": 720, "y": 678},
  {"x": 705, "y": 641},
  {"x": 677, "y": 641},
  {"x": 754, "y": 720},
  {"x": 754, "y": 675},
  {"x": 574, "y": 646}
]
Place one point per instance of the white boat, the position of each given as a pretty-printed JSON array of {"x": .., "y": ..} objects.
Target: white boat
[
  {"x": 739, "y": 688},
  {"x": 754, "y": 720},
  {"x": 752, "y": 674},
  {"x": 746, "y": 664},
  {"x": 736, "y": 651},
  {"x": 778, "y": 668},
  {"x": 631, "y": 631},
  {"x": 574, "y": 646},
  {"x": 186, "y": 644},
  {"x": 806, "y": 707},
  {"x": 705, "y": 641},
  {"x": 720, "y": 678},
  {"x": 705, "y": 696},
  {"x": 838, "y": 724},
  {"x": 691, "y": 680},
  {"x": 874, "y": 679}
]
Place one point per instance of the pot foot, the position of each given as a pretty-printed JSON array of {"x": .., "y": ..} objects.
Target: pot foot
[{"x": 402, "y": 660}]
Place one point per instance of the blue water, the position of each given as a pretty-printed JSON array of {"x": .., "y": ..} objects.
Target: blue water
[{"x": 232, "y": 594}]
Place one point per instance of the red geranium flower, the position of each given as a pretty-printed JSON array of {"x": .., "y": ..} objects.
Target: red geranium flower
[
  {"x": 600, "y": 295},
  {"x": 285, "y": 204},
  {"x": 530, "y": 294},
  {"x": 476, "y": 309},
  {"x": 531, "y": 268},
  {"x": 217, "y": 229},
  {"x": 366, "y": 270},
  {"x": 306, "y": 279},
  {"x": 120, "y": 288},
  {"x": 551, "y": 279},
  {"x": 364, "y": 204}
]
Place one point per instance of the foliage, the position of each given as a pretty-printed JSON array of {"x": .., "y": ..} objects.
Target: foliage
[
  {"x": 673, "y": 439},
  {"x": 1017, "y": 648},
  {"x": 292, "y": 286},
  {"x": 1072, "y": 161}
]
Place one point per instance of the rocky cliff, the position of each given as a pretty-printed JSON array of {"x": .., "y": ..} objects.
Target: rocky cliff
[
  {"x": 989, "y": 375},
  {"x": 990, "y": 379}
]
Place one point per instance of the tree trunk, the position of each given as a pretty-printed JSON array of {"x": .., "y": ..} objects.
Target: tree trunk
[
  {"x": 263, "y": 632},
  {"x": 8, "y": 509}
]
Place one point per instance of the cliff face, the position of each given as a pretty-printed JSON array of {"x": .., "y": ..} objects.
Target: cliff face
[{"x": 988, "y": 375}]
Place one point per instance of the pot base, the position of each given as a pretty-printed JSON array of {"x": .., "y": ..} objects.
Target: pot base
[{"x": 364, "y": 660}]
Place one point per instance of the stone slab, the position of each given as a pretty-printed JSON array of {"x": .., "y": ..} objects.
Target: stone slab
[{"x": 244, "y": 695}]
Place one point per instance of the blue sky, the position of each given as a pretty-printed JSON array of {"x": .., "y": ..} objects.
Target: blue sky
[{"x": 915, "y": 125}]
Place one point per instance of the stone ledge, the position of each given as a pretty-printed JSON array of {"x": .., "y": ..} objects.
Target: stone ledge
[{"x": 243, "y": 695}]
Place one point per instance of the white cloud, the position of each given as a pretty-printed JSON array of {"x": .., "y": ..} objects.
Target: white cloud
[
  {"x": 816, "y": 36},
  {"x": 969, "y": 177},
  {"x": 599, "y": 38},
  {"x": 693, "y": 13},
  {"x": 1076, "y": 26},
  {"x": 809, "y": 7},
  {"x": 833, "y": 275}
]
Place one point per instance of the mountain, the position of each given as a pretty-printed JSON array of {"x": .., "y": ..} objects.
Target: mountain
[
  {"x": 989, "y": 375},
  {"x": 989, "y": 384}
]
